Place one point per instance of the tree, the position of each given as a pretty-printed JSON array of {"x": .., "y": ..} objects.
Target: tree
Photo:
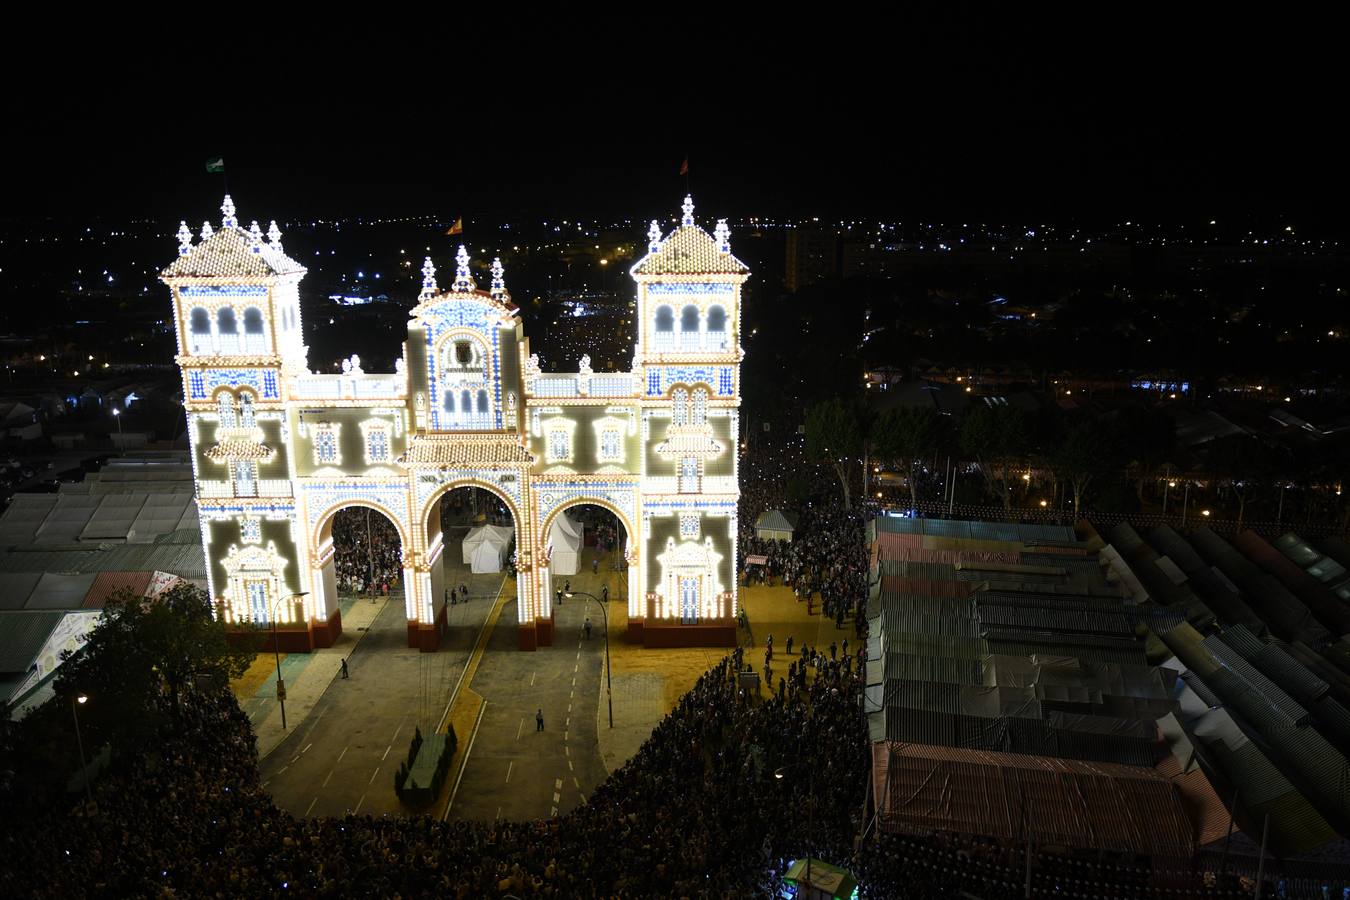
[
  {"x": 995, "y": 437},
  {"x": 906, "y": 436},
  {"x": 834, "y": 436},
  {"x": 1087, "y": 450},
  {"x": 140, "y": 645},
  {"x": 1246, "y": 464},
  {"x": 1148, "y": 438}
]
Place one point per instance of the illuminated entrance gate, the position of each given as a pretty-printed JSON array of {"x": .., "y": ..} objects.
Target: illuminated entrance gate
[{"x": 278, "y": 449}]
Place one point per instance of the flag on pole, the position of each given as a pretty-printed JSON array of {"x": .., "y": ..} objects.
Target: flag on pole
[
  {"x": 684, "y": 166},
  {"x": 458, "y": 227},
  {"x": 216, "y": 165}
]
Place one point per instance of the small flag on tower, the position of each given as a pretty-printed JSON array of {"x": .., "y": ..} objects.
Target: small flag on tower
[
  {"x": 684, "y": 166},
  {"x": 216, "y": 165},
  {"x": 458, "y": 227}
]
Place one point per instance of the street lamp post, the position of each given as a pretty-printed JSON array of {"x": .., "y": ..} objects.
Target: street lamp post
[
  {"x": 79, "y": 741},
  {"x": 276, "y": 651},
  {"x": 1185, "y": 502},
  {"x": 121, "y": 443},
  {"x": 609, "y": 684}
]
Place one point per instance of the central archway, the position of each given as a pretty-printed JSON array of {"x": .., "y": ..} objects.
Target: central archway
[
  {"x": 600, "y": 556},
  {"x": 471, "y": 533}
]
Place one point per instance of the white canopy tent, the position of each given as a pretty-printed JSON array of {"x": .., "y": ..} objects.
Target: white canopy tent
[
  {"x": 486, "y": 548},
  {"x": 775, "y": 525},
  {"x": 566, "y": 537}
]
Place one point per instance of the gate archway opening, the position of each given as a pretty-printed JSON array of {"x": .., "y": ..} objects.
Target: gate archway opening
[
  {"x": 590, "y": 549},
  {"x": 471, "y": 557},
  {"x": 361, "y": 557}
]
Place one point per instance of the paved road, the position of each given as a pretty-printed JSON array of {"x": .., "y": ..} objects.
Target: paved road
[
  {"x": 344, "y": 754},
  {"x": 514, "y": 771}
]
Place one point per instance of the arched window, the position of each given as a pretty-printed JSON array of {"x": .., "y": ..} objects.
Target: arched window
[
  {"x": 201, "y": 330},
  {"x": 465, "y": 403},
  {"x": 482, "y": 402},
  {"x": 450, "y": 402},
  {"x": 689, "y": 328},
  {"x": 680, "y": 407},
  {"x": 665, "y": 328},
  {"x": 254, "y": 337},
  {"x": 227, "y": 330},
  {"x": 225, "y": 408},
  {"x": 246, "y": 418},
  {"x": 700, "y": 415},
  {"x": 717, "y": 328}
]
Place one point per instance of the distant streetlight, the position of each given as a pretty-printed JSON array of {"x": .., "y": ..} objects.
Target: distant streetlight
[
  {"x": 121, "y": 443},
  {"x": 609, "y": 684},
  {"x": 80, "y": 700},
  {"x": 1204, "y": 512}
]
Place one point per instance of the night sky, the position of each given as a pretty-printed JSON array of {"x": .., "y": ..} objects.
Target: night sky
[{"x": 1137, "y": 117}]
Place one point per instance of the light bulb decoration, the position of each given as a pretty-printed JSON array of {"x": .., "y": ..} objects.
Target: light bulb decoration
[
  {"x": 688, "y": 207},
  {"x": 184, "y": 239},
  {"x": 463, "y": 280},
  {"x": 228, "y": 217}
]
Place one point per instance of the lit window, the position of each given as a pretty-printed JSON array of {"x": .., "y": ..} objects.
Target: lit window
[
  {"x": 225, "y": 406},
  {"x": 680, "y": 406},
  {"x": 689, "y": 600},
  {"x": 377, "y": 445},
  {"x": 325, "y": 446},
  {"x": 246, "y": 417},
  {"x": 611, "y": 446},
  {"x": 257, "y": 600},
  {"x": 559, "y": 445},
  {"x": 689, "y": 475},
  {"x": 246, "y": 479},
  {"x": 700, "y": 407},
  {"x": 250, "y": 529},
  {"x": 689, "y": 526}
]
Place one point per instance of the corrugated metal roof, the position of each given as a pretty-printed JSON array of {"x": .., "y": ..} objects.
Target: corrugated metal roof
[
  {"x": 1286, "y": 615},
  {"x": 1329, "y": 609},
  {"x": 23, "y": 632},
  {"x": 1010, "y": 797}
]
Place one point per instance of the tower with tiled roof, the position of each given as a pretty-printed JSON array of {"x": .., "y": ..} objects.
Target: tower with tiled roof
[
  {"x": 237, "y": 316},
  {"x": 687, "y": 360}
]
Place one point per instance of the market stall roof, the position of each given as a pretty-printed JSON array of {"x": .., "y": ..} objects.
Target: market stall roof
[{"x": 1016, "y": 797}]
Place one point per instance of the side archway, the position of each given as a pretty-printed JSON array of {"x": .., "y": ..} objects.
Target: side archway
[
  {"x": 632, "y": 593},
  {"x": 324, "y": 564}
]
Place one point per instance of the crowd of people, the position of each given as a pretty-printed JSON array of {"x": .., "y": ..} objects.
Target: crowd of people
[
  {"x": 729, "y": 788},
  {"x": 367, "y": 552}
]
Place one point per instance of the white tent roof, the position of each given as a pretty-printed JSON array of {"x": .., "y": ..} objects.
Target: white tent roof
[
  {"x": 114, "y": 517},
  {"x": 774, "y": 520},
  {"x": 24, "y": 517},
  {"x": 565, "y": 523}
]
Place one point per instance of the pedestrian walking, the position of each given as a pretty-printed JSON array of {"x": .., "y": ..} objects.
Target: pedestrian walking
[
  {"x": 539, "y": 720},
  {"x": 344, "y": 668},
  {"x": 587, "y": 627},
  {"x": 567, "y": 586},
  {"x": 789, "y": 645},
  {"x": 834, "y": 650},
  {"x": 595, "y": 566},
  {"x": 604, "y": 594},
  {"x": 559, "y": 598}
]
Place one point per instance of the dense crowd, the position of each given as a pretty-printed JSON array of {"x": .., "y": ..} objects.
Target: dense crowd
[
  {"x": 700, "y": 811},
  {"x": 367, "y": 552}
]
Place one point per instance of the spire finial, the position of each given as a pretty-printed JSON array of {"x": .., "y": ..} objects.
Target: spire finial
[
  {"x": 688, "y": 208},
  {"x": 255, "y": 237},
  {"x": 722, "y": 234},
  {"x": 227, "y": 208},
  {"x": 274, "y": 235},
  {"x": 463, "y": 280},
  {"x": 207, "y": 231},
  {"x": 184, "y": 238},
  {"x": 653, "y": 237},
  {"x": 498, "y": 279},
  {"x": 428, "y": 279}
]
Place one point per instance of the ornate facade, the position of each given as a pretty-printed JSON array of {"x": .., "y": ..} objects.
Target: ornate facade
[{"x": 278, "y": 449}]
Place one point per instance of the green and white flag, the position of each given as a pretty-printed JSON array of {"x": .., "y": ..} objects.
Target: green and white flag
[{"x": 216, "y": 165}]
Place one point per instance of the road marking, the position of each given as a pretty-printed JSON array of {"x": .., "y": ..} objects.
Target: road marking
[
  {"x": 394, "y": 739},
  {"x": 363, "y": 800},
  {"x": 307, "y": 746},
  {"x": 574, "y": 679},
  {"x": 532, "y": 674},
  {"x": 577, "y": 783},
  {"x": 283, "y": 768},
  {"x": 556, "y": 797},
  {"x": 372, "y": 775},
  {"x": 567, "y": 750},
  {"x": 568, "y": 722},
  {"x": 265, "y": 783},
  {"x": 464, "y": 765},
  {"x": 294, "y": 759},
  {"x": 330, "y": 775},
  {"x": 569, "y": 766},
  {"x": 558, "y": 784},
  {"x": 520, "y": 728},
  {"x": 569, "y": 707},
  {"x": 499, "y": 812},
  {"x": 311, "y": 805},
  {"x": 575, "y": 667},
  {"x": 386, "y": 752},
  {"x": 508, "y": 771},
  {"x": 554, "y": 811},
  {"x": 343, "y": 753}
]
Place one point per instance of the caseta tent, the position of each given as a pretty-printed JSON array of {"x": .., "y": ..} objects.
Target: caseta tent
[
  {"x": 567, "y": 537},
  {"x": 486, "y": 547},
  {"x": 774, "y": 525}
]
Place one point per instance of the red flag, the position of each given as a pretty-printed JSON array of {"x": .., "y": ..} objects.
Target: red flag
[
  {"x": 684, "y": 166},
  {"x": 458, "y": 227}
]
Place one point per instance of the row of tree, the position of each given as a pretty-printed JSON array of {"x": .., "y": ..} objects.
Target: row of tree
[{"x": 1081, "y": 451}]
